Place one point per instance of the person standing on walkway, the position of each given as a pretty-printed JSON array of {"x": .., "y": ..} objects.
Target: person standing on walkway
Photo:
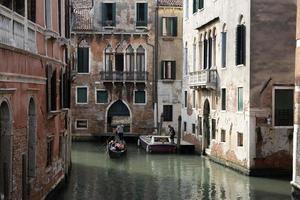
[{"x": 171, "y": 133}]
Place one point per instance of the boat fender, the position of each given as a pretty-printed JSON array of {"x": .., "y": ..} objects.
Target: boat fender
[{"x": 139, "y": 142}]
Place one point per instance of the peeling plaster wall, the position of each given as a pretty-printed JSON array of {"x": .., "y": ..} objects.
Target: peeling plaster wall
[
  {"x": 231, "y": 77},
  {"x": 273, "y": 144},
  {"x": 170, "y": 48}
]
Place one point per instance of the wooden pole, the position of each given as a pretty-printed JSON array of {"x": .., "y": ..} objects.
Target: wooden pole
[{"x": 179, "y": 133}]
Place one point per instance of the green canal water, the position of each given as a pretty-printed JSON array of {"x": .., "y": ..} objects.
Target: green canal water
[{"x": 165, "y": 177}]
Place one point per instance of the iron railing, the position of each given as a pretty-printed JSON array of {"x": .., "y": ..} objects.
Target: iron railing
[{"x": 124, "y": 76}]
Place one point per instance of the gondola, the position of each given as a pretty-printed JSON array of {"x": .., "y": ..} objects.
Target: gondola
[{"x": 114, "y": 151}]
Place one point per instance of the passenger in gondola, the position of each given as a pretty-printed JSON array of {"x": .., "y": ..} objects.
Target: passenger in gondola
[{"x": 172, "y": 133}]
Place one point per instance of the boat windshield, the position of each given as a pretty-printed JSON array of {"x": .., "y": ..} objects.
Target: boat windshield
[{"x": 161, "y": 139}]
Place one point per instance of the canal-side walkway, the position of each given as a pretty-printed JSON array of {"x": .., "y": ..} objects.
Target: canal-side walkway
[{"x": 160, "y": 177}]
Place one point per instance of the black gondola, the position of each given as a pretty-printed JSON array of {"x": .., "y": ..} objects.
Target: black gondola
[{"x": 114, "y": 151}]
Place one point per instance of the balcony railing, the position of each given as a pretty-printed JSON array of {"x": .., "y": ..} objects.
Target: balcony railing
[
  {"x": 16, "y": 30},
  {"x": 204, "y": 78},
  {"x": 124, "y": 76}
]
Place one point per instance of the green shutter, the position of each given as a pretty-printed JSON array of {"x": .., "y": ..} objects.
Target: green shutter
[
  {"x": 162, "y": 70},
  {"x": 140, "y": 97},
  {"x": 173, "y": 70},
  {"x": 145, "y": 19},
  {"x": 240, "y": 99},
  {"x": 79, "y": 60},
  {"x": 174, "y": 31},
  {"x": 104, "y": 14},
  {"x": 81, "y": 95},
  {"x": 102, "y": 96},
  {"x": 114, "y": 14}
]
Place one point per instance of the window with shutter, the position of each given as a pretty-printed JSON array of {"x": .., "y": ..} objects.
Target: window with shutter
[
  {"x": 205, "y": 52},
  {"x": 102, "y": 96},
  {"x": 141, "y": 14},
  {"x": 81, "y": 94},
  {"x": 240, "y": 99},
  {"x": 108, "y": 14},
  {"x": 53, "y": 91},
  {"x": 223, "y": 96},
  {"x": 241, "y": 45},
  {"x": 83, "y": 60},
  {"x": 140, "y": 97},
  {"x": 224, "y": 44},
  {"x": 210, "y": 47},
  {"x": 284, "y": 107},
  {"x": 169, "y": 26},
  {"x": 168, "y": 70},
  {"x": 168, "y": 113}
]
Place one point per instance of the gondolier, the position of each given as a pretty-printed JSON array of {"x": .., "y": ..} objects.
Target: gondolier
[{"x": 172, "y": 133}]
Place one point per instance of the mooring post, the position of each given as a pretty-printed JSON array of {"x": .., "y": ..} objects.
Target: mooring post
[
  {"x": 160, "y": 124},
  {"x": 179, "y": 133}
]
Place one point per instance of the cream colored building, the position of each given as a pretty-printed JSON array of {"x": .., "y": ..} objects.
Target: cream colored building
[{"x": 238, "y": 82}]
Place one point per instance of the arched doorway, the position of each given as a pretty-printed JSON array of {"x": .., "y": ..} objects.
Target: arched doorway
[
  {"x": 31, "y": 139},
  {"x": 118, "y": 114},
  {"x": 5, "y": 149},
  {"x": 206, "y": 124}
]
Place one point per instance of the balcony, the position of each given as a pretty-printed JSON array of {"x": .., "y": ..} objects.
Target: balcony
[
  {"x": 206, "y": 79},
  {"x": 16, "y": 30},
  {"x": 120, "y": 76}
]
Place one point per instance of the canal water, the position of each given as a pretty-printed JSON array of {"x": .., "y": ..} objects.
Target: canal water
[{"x": 160, "y": 177}]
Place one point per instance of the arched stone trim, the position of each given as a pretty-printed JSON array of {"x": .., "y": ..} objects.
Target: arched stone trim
[
  {"x": 6, "y": 129},
  {"x": 109, "y": 106}
]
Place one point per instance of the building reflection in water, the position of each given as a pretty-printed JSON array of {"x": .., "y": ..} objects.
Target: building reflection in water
[{"x": 146, "y": 176}]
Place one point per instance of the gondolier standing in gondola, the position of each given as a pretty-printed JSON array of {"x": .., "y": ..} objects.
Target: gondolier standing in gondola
[{"x": 172, "y": 133}]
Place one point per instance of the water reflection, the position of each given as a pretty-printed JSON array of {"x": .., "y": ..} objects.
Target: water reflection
[{"x": 162, "y": 177}]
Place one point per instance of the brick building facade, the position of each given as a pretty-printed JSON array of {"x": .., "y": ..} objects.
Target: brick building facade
[
  {"x": 114, "y": 76},
  {"x": 34, "y": 97}
]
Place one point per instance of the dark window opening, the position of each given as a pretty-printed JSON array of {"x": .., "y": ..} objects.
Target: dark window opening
[
  {"x": 200, "y": 125},
  {"x": 223, "y": 94},
  {"x": 140, "y": 97},
  {"x": 31, "y": 10},
  {"x": 19, "y": 7},
  {"x": 168, "y": 113},
  {"x": 102, "y": 96},
  {"x": 169, "y": 26},
  {"x": 49, "y": 151},
  {"x": 184, "y": 126},
  {"x": 205, "y": 52},
  {"x": 241, "y": 45},
  {"x": 141, "y": 14},
  {"x": 224, "y": 47},
  {"x": 48, "y": 14},
  {"x": 197, "y": 5},
  {"x": 59, "y": 16},
  {"x": 193, "y": 128},
  {"x": 284, "y": 105},
  {"x": 108, "y": 14},
  {"x": 223, "y": 135},
  {"x": 6, "y": 3},
  {"x": 82, "y": 95},
  {"x": 83, "y": 60},
  {"x": 240, "y": 141},
  {"x": 168, "y": 70},
  {"x": 119, "y": 62},
  {"x": 213, "y": 128},
  {"x": 82, "y": 124},
  {"x": 53, "y": 91}
]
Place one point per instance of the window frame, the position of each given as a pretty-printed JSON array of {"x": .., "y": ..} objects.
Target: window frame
[
  {"x": 136, "y": 15},
  {"x": 238, "y": 99},
  {"x": 240, "y": 141},
  {"x": 221, "y": 136},
  {"x": 114, "y": 12},
  {"x": 168, "y": 20},
  {"x": 78, "y": 128},
  {"x": 222, "y": 95},
  {"x": 134, "y": 103},
  {"x": 89, "y": 63},
  {"x": 96, "y": 96},
  {"x": 172, "y": 115},
  {"x": 273, "y": 104},
  {"x": 164, "y": 64},
  {"x": 87, "y": 95}
]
